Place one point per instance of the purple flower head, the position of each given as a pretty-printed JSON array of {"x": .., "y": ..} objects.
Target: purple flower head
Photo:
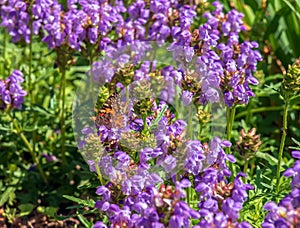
[
  {"x": 11, "y": 93},
  {"x": 194, "y": 157}
]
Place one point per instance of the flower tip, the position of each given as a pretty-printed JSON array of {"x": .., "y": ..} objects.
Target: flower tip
[{"x": 296, "y": 154}]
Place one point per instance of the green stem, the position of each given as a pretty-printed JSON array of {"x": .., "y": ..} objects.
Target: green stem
[
  {"x": 188, "y": 195},
  {"x": 190, "y": 122},
  {"x": 177, "y": 111},
  {"x": 246, "y": 167},
  {"x": 4, "y": 50},
  {"x": 145, "y": 128},
  {"x": 285, "y": 114},
  {"x": 62, "y": 115},
  {"x": 30, "y": 65},
  {"x": 98, "y": 172},
  {"x": 91, "y": 81},
  {"x": 30, "y": 89},
  {"x": 230, "y": 119},
  {"x": 200, "y": 131},
  {"x": 255, "y": 110},
  {"x": 32, "y": 153}
]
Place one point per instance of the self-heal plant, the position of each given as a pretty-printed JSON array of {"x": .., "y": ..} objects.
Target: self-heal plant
[
  {"x": 289, "y": 90},
  {"x": 12, "y": 97},
  {"x": 11, "y": 93}
]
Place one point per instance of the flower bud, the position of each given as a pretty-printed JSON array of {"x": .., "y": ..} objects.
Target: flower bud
[
  {"x": 291, "y": 81},
  {"x": 248, "y": 144}
]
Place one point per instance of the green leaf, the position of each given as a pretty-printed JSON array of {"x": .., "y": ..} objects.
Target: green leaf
[
  {"x": 25, "y": 209},
  {"x": 267, "y": 185},
  {"x": 88, "y": 203},
  {"x": 269, "y": 158},
  {"x": 292, "y": 8},
  {"x": 9, "y": 192},
  {"x": 85, "y": 222},
  {"x": 273, "y": 25},
  {"x": 158, "y": 118},
  {"x": 45, "y": 112},
  {"x": 50, "y": 211},
  {"x": 296, "y": 141}
]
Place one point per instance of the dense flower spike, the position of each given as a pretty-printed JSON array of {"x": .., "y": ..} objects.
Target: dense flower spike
[
  {"x": 11, "y": 93},
  {"x": 224, "y": 64},
  {"x": 15, "y": 18}
]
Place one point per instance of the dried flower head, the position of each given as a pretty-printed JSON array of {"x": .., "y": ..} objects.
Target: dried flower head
[{"x": 248, "y": 144}]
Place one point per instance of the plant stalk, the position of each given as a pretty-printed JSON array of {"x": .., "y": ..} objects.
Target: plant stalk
[
  {"x": 32, "y": 153},
  {"x": 98, "y": 172},
  {"x": 283, "y": 136},
  {"x": 62, "y": 115},
  {"x": 230, "y": 119}
]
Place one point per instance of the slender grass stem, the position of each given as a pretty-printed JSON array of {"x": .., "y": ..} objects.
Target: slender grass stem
[
  {"x": 283, "y": 136},
  {"x": 32, "y": 153}
]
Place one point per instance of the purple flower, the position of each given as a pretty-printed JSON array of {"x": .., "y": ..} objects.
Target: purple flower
[
  {"x": 194, "y": 157},
  {"x": 187, "y": 97},
  {"x": 15, "y": 18},
  {"x": 11, "y": 93},
  {"x": 99, "y": 225}
]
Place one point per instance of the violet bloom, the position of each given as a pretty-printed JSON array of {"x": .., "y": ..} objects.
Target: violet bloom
[
  {"x": 187, "y": 97},
  {"x": 11, "y": 93},
  {"x": 55, "y": 35},
  {"x": 43, "y": 12},
  {"x": 15, "y": 18},
  {"x": 193, "y": 162},
  {"x": 103, "y": 71},
  {"x": 233, "y": 68}
]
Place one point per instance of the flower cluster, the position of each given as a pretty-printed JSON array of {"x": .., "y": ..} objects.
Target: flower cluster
[
  {"x": 149, "y": 208},
  {"x": 137, "y": 156},
  {"x": 137, "y": 143},
  {"x": 87, "y": 24},
  {"x": 287, "y": 212},
  {"x": 220, "y": 202},
  {"x": 223, "y": 64},
  {"x": 11, "y": 92},
  {"x": 15, "y": 18}
]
